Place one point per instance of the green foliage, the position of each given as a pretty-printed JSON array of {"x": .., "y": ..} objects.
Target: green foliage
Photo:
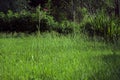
[
  {"x": 23, "y": 21},
  {"x": 101, "y": 25},
  {"x": 67, "y": 27},
  {"x": 26, "y": 21}
]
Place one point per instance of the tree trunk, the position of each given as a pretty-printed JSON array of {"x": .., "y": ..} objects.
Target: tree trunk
[
  {"x": 74, "y": 16},
  {"x": 117, "y": 8},
  {"x": 73, "y": 11}
]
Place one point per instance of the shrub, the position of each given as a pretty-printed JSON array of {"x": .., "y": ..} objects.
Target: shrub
[
  {"x": 66, "y": 27},
  {"x": 26, "y": 21},
  {"x": 101, "y": 25}
]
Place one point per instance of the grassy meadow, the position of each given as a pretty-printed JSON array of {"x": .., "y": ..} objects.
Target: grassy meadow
[{"x": 55, "y": 57}]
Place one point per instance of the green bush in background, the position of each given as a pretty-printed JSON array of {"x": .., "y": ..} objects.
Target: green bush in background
[
  {"x": 101, "y": 25},
  {"x": 20, "y": 22},
  {"x": 26, "y": 21}
]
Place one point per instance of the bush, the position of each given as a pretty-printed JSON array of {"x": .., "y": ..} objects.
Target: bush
[
  {"x": 66, "y": 27},
  {"x": 26, "y": 21},
  {"x": 101, "y": 25}
]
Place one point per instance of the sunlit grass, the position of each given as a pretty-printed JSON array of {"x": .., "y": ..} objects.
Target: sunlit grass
[{"x": 51, "y": 57}]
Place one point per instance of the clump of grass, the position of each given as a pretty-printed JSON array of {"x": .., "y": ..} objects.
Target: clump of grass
[{"x": 101, "y": 24}]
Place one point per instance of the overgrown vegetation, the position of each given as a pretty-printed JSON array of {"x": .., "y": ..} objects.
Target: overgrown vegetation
[
  {"x": 59, "y": 40},
  {"x": 102, "y": 25},
  {"x": 26, "y": 21},
  {"x": 98, "y": 24}
]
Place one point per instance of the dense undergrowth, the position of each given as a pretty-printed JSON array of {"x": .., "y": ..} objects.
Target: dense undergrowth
[
  {"x": 98, "y": 24},
  {"x": 29, "y": 22},
  {"x": 102, "y": 25}
]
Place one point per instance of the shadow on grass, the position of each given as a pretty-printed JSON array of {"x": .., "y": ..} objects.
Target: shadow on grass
[
  {"x": 111, "y": 69},
  {"x": 41, "y": 77}
]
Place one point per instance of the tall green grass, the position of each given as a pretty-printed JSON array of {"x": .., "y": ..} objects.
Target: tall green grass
[{"x": 56, "y": 57}]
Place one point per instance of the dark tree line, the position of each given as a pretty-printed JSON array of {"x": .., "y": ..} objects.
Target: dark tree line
[{"x": 63, "y": 9}]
